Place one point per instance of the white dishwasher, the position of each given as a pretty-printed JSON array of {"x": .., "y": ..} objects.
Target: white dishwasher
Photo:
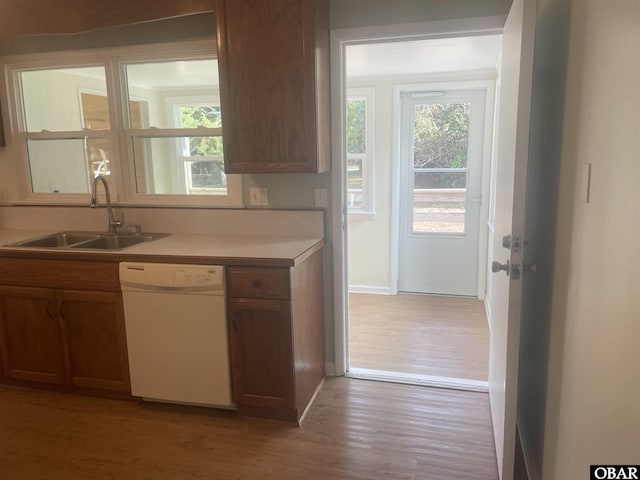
[{"x": 176, "y": 327}]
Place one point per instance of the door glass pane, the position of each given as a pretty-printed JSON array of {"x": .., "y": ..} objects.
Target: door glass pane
[
  {"x": 441, "y": 135},
  {"x": 63, "y": 165},
  {"x": 51, "y": 98},
  {"x": 439, "y": 202},
  {"x": 179, "y": 165}
]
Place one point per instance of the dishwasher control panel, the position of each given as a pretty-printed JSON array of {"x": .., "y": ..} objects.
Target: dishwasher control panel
[
  {"x": 196, "y": 277},
  {"x": 171, "y": 276}
]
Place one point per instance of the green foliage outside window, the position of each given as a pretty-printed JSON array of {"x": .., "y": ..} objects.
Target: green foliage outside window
[
  {"x": 207, "y": 116},
  {"x": 357, "y": 125},
  {"x": 441, "y": 140}
]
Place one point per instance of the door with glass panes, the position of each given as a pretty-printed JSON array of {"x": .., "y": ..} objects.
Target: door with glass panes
[{"x": 441, "y": 148}]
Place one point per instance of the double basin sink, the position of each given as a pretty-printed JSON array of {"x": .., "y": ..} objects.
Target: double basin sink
[{"x": 88, "y": 240}]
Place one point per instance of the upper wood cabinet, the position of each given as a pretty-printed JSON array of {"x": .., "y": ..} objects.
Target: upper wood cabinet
[{"x": 274, "y": 85}]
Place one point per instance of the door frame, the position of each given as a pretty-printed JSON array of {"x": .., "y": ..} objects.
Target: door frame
[{"x": 339, "y": 40}]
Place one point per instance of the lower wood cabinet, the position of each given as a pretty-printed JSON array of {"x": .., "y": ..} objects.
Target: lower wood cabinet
[
  {"x": 260, "y": 345},
  {"x": 276, "y": 326},
  {"x": 30, "y": 339},
  {"x": 70, "y": 337},
  {"x": 94, "y": 339}
]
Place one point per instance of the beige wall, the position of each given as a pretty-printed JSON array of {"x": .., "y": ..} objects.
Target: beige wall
[{"x": 593, "y": 413}]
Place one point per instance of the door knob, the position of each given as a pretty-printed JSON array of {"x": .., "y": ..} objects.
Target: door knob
[{"x": 498, "y": 267}]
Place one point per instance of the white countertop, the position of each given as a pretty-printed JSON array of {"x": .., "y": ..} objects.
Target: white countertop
[{"x": 184, "y": 245}]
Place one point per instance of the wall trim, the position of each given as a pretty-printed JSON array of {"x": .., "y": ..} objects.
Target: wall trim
[
  {"x": 330, "y": 369},
  {"x": 370, "y": 289}
]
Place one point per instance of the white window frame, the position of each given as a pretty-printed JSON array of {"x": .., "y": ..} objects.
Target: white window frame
[
  {"x": 368, "y": 159},
  {"x": 122, "y": 178},
  {"x": 12, "y": 97},
  {"x": 173, "y": 105}
]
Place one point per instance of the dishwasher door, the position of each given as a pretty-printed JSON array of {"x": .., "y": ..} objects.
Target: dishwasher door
[{"x": 176, "y": 328}]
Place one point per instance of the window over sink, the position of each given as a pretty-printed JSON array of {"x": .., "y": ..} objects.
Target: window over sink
[{"x": 148, "y": 117}]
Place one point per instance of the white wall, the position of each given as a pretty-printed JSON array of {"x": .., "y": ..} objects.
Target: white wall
[
  {"x": 593, "y": 412},
  {"x": 369, "y": 249}
]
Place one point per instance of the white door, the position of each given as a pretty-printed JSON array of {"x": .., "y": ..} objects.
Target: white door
[
  {"x": 514, "y": 112},
  {"x": 441, "y": 148}
]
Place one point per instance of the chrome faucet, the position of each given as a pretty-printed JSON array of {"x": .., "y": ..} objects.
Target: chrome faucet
[{"x": 114, "y": 222}]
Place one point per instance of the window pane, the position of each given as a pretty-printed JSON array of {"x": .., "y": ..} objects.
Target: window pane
[
  {"x": 157, "y": 87},
  {"x": 52, "y": 99},
  {"x": 439, "y": 202},
  {"x": 66, "y": 165},
  {"x": 355, "y": 190},
  {"x": 441, "y": 135},
  {"x": 179, "y": 165},
  {"x": 357, "y": 125}
]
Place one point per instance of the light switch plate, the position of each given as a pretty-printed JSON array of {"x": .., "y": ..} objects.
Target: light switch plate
[{"x": 320, "y": 196}]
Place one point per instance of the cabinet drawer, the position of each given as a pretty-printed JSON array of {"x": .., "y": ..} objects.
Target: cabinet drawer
[
  {"x": 258, "y": 282},
  {"x": 71, "y": 274}
]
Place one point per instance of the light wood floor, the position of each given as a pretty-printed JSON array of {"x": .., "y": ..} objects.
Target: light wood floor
[
  {"x": 356, "y": 430},
  {"x": 419, "y": 334}
]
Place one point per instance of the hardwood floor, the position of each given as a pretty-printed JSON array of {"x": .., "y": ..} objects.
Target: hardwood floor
[
  {"x": 419, "y": 334},
  {"x": 356, "y": 430}
]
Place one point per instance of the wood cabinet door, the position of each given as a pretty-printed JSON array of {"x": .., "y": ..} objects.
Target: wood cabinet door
[
  {"x": 266, "y": 54},
  {"x": 94, "y": 339},
  {"x": 261, "y": 357},
  {"x": 30, "y": 339}
]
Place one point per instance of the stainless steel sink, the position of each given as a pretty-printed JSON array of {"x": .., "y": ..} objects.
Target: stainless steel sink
[
  {"x": 62, "y": 239},
  {"x": 115, "y": 241},
  {"x": 87, "y": 240}
]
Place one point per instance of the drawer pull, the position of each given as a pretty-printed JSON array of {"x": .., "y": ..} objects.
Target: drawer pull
[{"x": 257, "y": 284}]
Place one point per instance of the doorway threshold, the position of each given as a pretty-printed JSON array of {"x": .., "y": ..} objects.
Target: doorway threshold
[{"x": 415, "y": 379}]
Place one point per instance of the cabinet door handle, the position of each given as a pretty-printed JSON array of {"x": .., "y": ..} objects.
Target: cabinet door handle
[
  {"x": 256, "y": 284},
  {"x": 235, "y": 325}
]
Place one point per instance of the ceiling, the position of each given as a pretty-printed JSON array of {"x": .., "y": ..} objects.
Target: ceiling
[{"x": 423, "y": 57}]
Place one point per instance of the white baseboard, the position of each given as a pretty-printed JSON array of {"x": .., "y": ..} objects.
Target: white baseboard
[
  {"x": 330, "y": 369},
  {"x": 369, "y": 289},
  {"x": 532, "y": 470}
]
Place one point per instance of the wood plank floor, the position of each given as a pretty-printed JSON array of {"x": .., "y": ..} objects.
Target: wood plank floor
[
  {"x": 419, "y": 334},
  {"x": 356, "y": 430}
]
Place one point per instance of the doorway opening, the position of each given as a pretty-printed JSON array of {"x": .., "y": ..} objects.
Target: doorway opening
[{"x": 418, "y": 135}]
